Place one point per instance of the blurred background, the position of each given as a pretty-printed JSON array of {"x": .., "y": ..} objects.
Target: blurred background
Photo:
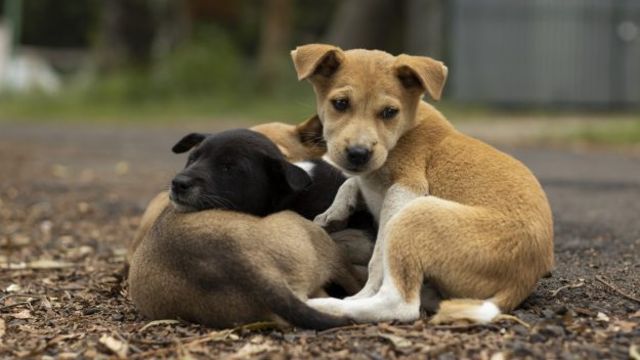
[{"x": 169, "y": 60}]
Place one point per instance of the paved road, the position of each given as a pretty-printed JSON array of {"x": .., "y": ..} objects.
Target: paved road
[
  {"x": 595, "y": 196},
  {"x": 591, "y": 192}
]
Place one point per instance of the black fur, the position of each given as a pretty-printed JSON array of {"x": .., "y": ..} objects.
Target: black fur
[{"x": 239, "y": 170}]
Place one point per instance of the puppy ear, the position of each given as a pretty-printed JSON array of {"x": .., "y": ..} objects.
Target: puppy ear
[
  {"x": 288, "y": 177},
  {"x": 422, "y": 72},
  {"x": 315, "y": 59},
  {"x": 296, "y": 178},
  {"x": 188, "y": 142},
  {"x": 310, "y": 133}
]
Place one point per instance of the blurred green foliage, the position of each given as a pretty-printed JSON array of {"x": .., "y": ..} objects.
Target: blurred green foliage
[
  {"x": 206, "y": 77},
  {"x": 608, "y": 133}
]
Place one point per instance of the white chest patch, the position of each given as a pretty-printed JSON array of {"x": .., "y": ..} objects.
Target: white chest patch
[
  {"x": 373, "y": 194},
  {"x": 307, "y": 166}
]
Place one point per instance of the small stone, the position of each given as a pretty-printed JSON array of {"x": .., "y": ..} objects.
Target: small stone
[
  {"x": 520, "y": 349},
  {"x": 548, "y": 313},
  {"x": 520, "y": 330},
  {"x": 536, "y": 338},
  {"x": 552, "y": 331},
  {"x": 90, "y": 311},
  {"x": 560, "y": 309}
]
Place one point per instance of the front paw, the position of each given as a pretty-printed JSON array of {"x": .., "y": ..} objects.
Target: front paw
[
  {"x": 332, "y": 220},
  {"x": 331, "y": 306}
]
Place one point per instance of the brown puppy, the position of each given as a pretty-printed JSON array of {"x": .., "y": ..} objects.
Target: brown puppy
[
  {"x": 452, "y": 210},
  {"x": 222, "y": 268}
]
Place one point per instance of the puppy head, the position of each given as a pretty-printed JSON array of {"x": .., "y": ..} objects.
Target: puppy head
[
  {"x": 238, "y": 170},
  {"x": 366, "y": 99},
  {"x": 296, "y": 142}
]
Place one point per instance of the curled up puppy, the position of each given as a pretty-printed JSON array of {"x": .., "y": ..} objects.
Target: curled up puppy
[{"x": 227, "y": 252}]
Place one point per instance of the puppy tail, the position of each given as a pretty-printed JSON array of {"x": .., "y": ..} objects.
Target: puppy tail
[
  {"x": 284, "y": 303},
  {"x": 476, "y": 311}
]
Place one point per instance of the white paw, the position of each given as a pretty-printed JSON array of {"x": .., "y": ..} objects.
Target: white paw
[
  {"x": 331, "y": 306},
  {"x": 333, "y": 219}
]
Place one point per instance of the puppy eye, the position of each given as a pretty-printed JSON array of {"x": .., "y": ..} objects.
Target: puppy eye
[
  {"x": 388, "y": 113},
  {"x": 340, "y": 104}
]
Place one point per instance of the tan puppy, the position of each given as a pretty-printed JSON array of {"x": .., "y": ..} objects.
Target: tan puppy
[
  {"x": 469, "y": 219},
  {"x": 300, "y": 142},
  {"x": 222, "y": 268}
]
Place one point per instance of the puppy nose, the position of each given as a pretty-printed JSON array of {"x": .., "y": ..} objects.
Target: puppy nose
[
  {"x": 181, "y": 184},
  {"x": 358, "y": 155}
]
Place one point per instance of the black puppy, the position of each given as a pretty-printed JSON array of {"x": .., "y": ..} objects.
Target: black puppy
[
  {"x": 239, "y": 170},
  {"x": 243, "y": 170}
]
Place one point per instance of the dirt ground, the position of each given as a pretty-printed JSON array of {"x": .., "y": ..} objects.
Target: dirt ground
[{"x": 71, "y": 197}]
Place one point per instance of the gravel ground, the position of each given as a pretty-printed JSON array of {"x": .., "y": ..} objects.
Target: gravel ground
[{"x": 71, "y": 197}]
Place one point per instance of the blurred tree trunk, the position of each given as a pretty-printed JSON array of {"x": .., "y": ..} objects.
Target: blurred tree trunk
[
  {"x": 132, "y": 32},
  {"x": 362, "y": 23},
  {"x": 126, "y": 33},
  {"x": 275, "y": 41},
  {"x": 424, "y": 33},
  {"x": 174, "y": 25}
]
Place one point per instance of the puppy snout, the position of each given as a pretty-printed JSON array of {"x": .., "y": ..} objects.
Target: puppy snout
[
  {"x": 358, "y": 155},
  {"x": 181, "y": 184}
]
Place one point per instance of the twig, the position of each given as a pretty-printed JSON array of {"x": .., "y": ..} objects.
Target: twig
[
  {"x": 616, "y": 289},
  {"x": 261, "y": 325},
  {"x": 512, "y": 318},
  {"x": 348, "y": 327},
  {"x": 21, "y": 295},
  {"x": 6, "y": 307},
  {"x": 555, "y": 292},
  {"x": 465, "y": 327}
]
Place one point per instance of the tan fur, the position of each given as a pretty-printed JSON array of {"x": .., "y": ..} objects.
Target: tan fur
[
  {"x": 296, "y": 142},
  {"x": 485, "y": 229},
  {"x": 182, "y": 264}
]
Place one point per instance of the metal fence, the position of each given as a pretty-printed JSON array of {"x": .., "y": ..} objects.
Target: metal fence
[{"x": 546, "y": 52}]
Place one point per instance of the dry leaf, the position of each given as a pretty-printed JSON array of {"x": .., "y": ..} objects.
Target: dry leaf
[
  {"x": 45, "y": 303},
  {"x": 24, "y": 314},
  {"x": 59, "y": 171},
  {"x": 61, "y": 338},
  {"x": 13, "y": 288},
  {"x": 623, "y": 326},
  {"x": 68, "y": 355},
  {"x": 398, "y": 341},
  {"x": 159, "y": 322},
  {"x": 20, "y": 240},
  {"x": 122, "y": 168},
  {"x": 83, "y": 207},
  {"x": 38, "y": 264},
  {"x": 634, "y": 352},
  {"x": 3, "y": 327},
  {"x": 252, "y": 349},
  {"x": 635, "y": 314},
  {"x": 602, "y": 317},
  {"x": 119, "y": 348}
]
